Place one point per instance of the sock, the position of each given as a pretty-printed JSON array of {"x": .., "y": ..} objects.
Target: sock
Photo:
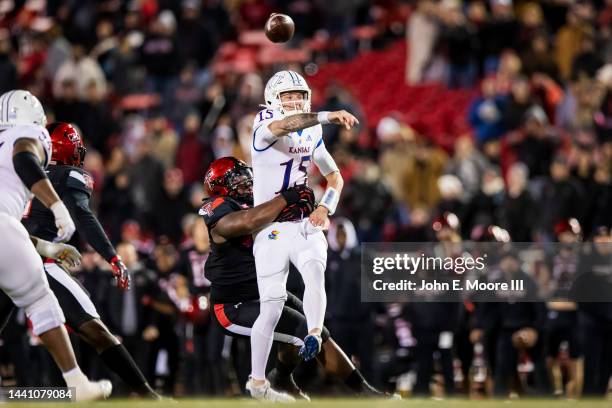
[
  {"x": 121, "y": 362},
  {"x": 262, "y": 335},
  {"x": 357, "y": 383},
  {"x": 284, "y": 370},
  {"x": 315, "y": 299},
  {"x": 74, "y": 377}
]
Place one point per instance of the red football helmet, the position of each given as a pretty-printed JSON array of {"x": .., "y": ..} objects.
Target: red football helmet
[
  {"x": 226, "y": 175},
  {"x": 570, "y": 225},
  {"x": 489, "y": 233},
  {"x": 67, "y": 144},
  {"x": 446, "y": 220}
]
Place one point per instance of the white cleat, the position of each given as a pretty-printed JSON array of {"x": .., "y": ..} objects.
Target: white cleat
[
  {"x": 267, "y": 393},
  {"x": 93, "y": 390}
]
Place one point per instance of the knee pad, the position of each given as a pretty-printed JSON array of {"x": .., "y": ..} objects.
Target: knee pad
[
  {"x": 276, "y": 292},
  {"x": 45, "y": 313}
]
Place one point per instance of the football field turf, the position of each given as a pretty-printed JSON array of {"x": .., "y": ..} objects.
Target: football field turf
[{"x": 334, "y": 403}]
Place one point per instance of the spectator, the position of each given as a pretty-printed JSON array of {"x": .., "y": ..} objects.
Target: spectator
[
  {"x": 159, "y": 53},
  {"x": 196, "y": 39},
  {"x": 126, "y": 75},
  {"x": 518, "y": 104},
  {"x": 499, "y": 33},
  {"x": 164, "y": 303},
  {"x": 116, "y": 205},
  {"x": 171, "y": 207},
  {"x": 8, "y": 70},
  {"x": 96, "y": 121},
  {"x": 459, "y": 38},
  {"x": 587, "y": 61},
  {"x": 126, "y": 312},
  {"x": 518, "y": 211},
  {"x": 568, "y": 40},
  {"x": 83, "y": 70},
  {"x": 534, "y": 144},
  {"x": 421, "y": 32},
  {"x": 68, "y": 106},
  {"x": 561, "y": 196},
  {"x": 485, "y": 113},
  {"x": 192, "y": 156},
  {"x": 469, "y": 165},
  {"x": 347, "y": 315},
  {"x": 145, "y": 174},
  {"x": 165, "y": 140},
  {"x": 538, "y": 57},
  {"x": 451, "y": 195}
]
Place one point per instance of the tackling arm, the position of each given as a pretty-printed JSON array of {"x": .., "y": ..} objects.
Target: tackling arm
[{"x": 240, "y": 223}]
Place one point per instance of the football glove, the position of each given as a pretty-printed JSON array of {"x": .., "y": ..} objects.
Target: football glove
[
  {"x": 120, "y": 272},
  {"x": 300, "y": 203},
  {"x": 66, "y": 255}
]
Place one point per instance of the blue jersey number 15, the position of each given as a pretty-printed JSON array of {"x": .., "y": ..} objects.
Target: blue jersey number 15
[{"x": 288, "y": 164}]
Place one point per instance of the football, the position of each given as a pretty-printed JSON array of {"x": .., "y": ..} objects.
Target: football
[{"x": 279, "y": 28}]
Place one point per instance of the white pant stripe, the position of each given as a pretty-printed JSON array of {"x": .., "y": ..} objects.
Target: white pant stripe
[
  {"x": 68, "y": 282},
  {"x": 282, "y": 337}
]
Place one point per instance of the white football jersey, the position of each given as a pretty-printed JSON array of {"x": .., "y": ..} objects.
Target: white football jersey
[
  {"x": 280, "y": 162},
  {"x": 14, "y": 195}
]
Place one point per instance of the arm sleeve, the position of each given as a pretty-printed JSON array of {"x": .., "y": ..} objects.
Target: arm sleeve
[
  {"x": 263, "y": 138},
  {"x": 77, "y": 202},
  {"x": 323, "y": 160}
]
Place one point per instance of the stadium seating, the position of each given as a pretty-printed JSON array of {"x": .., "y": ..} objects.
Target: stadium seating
[{"x": 376, "y": 79}]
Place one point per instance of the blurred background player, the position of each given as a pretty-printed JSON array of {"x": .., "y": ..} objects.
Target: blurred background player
[
  {"x": 74, "y": 186},
  {"x": 231, "y": 219},
  {"x": 25, "y": 151},
  {"x": 286, "y": 138},
  {"x": 561, "y": 339}
]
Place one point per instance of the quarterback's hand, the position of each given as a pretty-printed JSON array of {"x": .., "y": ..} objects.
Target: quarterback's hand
[
  {"x": 120, "y": 272},
  {"x": 63, "y": 222},
  {"x": 343, "y": 118},
  {"x": 66, "y": 255},
  {"x": 320, "y": 217}
]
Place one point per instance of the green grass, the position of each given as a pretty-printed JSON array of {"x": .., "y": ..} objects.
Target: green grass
[{"x": 335, "y": 403}]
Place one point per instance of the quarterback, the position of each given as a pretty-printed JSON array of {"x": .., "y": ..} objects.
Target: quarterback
[{"x": 287, "y": 137}]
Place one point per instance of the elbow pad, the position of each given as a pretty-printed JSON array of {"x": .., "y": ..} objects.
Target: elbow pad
[{"x": 28, "y": 168}]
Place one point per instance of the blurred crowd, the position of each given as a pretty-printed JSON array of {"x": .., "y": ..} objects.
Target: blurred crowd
[{"x": 147, "y": 84}]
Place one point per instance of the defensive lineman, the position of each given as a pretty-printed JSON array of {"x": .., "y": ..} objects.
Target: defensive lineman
[
  {"x": 74, "y": 186},
  {"x": 231, "y": 219},
  {"x": 286, "y": 139},
  {"x": 25, "y": 149}
]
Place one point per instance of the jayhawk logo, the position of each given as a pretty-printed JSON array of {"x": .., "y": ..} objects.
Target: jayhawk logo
[{"x": 273, "y": 234}]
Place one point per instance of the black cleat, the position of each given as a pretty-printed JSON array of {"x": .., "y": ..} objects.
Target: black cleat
[{"x": 286, "y": 384}]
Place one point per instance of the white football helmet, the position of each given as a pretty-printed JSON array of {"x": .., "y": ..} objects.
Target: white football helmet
[
  {"x": 286, "y": 81},
  {"x": 19, "y": 107}
]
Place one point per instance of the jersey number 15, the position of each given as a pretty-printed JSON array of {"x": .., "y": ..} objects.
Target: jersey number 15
[{"x": 302, "y": 167}]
